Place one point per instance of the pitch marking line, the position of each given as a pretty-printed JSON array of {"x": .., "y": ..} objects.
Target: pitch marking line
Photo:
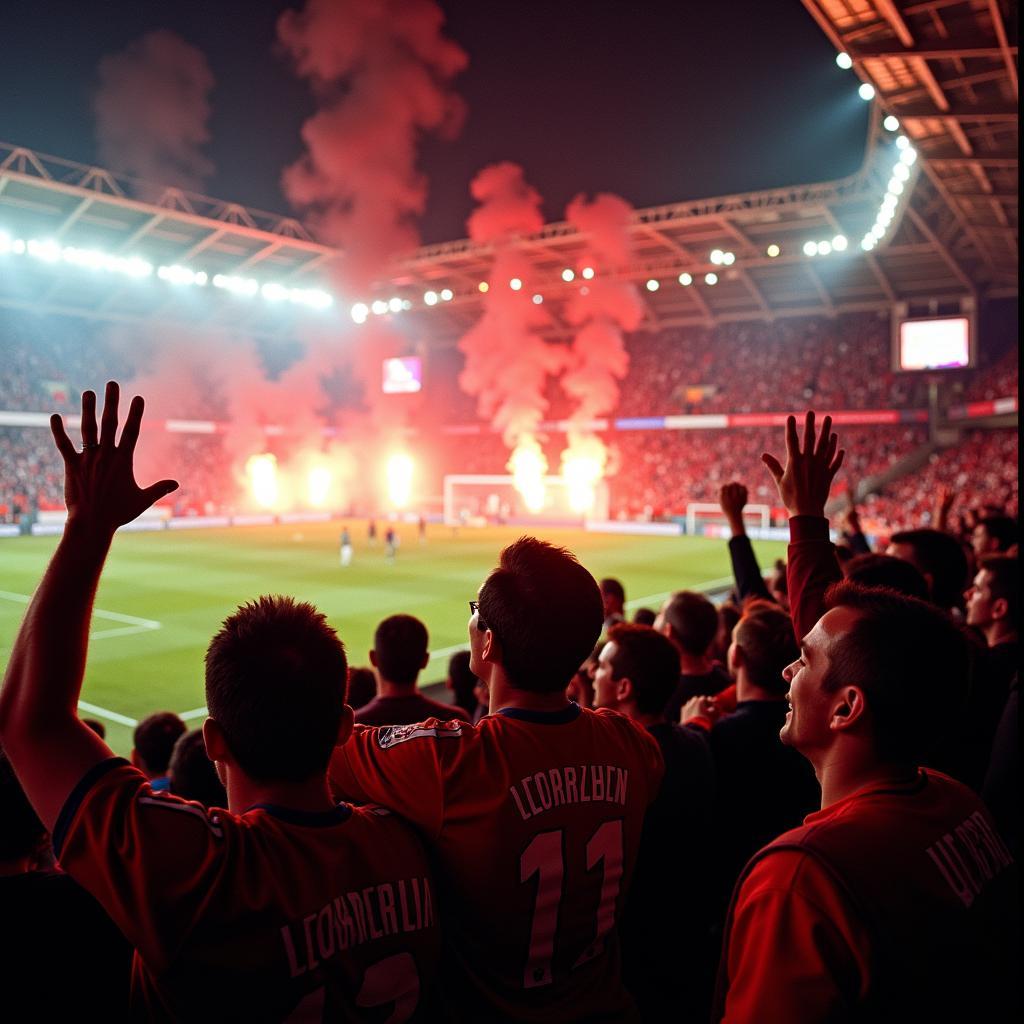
[{"x": 134, "y": 623}]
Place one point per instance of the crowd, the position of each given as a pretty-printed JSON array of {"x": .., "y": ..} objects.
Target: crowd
[{"x": 800, "y": 806}]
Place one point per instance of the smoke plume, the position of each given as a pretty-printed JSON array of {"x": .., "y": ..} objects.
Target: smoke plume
[
  {"x": 152, "y": 109},
  {"x": 508, "y": 361},
  {"x": 381, "y": 72}
]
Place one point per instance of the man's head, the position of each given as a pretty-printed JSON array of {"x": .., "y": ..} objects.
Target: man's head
[
  {"x": 22, "y": 835},
  {"x": 461, "y": 681},
  {"x": 940, "y": 560},
  {"x": 871, "y": 570},
  {"x": 993, "y": 534},
  {"x": 153, "y": 741},
  {"x": 275, "y": 686},
  {"x": 880, "y": 671},
  {"x": 540, "y": 615},
  {"x": 637, "y": 671},
  {"x": 192, "y": 773},
  {"x": 762, "y": 646},
  {"x": 362, "y": 687},
  {"x": 400, "y": 650},
  {"x": 613, "y": 594},
  {"x": 993, "y": 599},
  {"x": 690, "y": 621},
  {"x": 645, "y": 616}
]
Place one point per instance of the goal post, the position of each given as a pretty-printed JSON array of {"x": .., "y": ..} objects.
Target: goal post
[
  {"x": 479, "y": 499},
  {"x": 701, "y": 514}
]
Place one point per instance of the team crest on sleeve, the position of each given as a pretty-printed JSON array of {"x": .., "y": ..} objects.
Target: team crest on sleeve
[{"x": 392, "y": 735}]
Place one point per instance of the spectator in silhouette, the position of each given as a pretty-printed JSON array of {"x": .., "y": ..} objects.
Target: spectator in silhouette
[{"x": 153, "y": 740}]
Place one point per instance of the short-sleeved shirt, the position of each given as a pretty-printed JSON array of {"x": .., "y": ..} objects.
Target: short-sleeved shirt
[
  {"x": 534, "y": 820},
  {"x": 254, "y": 916}
]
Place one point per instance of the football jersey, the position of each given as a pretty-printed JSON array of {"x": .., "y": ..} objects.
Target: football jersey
[
  {"x": 270, "y": 915},
  {"x": 534, "y": 821}
]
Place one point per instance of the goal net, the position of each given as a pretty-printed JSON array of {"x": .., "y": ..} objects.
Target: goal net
[
  {"x": 707, "y": 518},
  {"x": 480, "y": 500}
]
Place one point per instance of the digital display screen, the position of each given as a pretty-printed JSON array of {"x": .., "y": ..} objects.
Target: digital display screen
[
  {"x": 939, "y": 344},
  {"x": 403, "y": 375}
]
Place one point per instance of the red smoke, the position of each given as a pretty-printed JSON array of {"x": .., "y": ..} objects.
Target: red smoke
[
  {"x": 601, "y": 309},
  {"x": 508, "y": 361},
  {"x": 381, "y": 72},
  {"x": 152, "y": 109}
]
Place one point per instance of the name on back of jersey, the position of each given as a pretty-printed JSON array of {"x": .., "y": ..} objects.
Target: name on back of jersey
[{"x": 573, "y": 784}]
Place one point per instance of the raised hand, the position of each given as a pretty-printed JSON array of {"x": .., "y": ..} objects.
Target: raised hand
[
  {"x": 99, "y": 481},
  {"x": 732, "y": 497},
  {"x": 805, "y": 481}
]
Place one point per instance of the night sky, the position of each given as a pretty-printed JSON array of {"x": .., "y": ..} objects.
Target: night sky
[{"x": 654, "y": 101}]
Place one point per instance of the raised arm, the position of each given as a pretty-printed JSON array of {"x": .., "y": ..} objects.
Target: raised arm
[
  {"x": 804, "y": 484},
  {"x": 51, "y": 750},
  {"x": 851, "y": 525},
  {"x": 745, "y": 570}
]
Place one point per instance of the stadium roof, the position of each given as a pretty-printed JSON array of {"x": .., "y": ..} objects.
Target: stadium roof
[
  {"x": 944, "y": 68},
  {"x": 947, "y": 69}
]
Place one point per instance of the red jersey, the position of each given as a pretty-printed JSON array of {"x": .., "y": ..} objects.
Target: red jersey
[
  {"x": 897, "y": 903},
  {"x": 270, "y": 915},
  {"x": 534, "y": 819}
]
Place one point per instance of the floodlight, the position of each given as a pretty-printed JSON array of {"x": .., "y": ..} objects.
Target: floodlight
[
  {"x": 839, "y": 243},
  {"x": 359, "y": 312},
  {"x": 810, "y": 248},
  {"x": 567, "y": 274},
  {"x": 538, "y": 299},
  {"x": 430, "y": 298},
  {"x": 908, "y": 156},
  {"x": 773, "y": 250},
  {"x": 844, "y": 60},
  {"x": 728, "y": 258},
  {"x": 379, "y": 307},
  {"x": 901, "y": 171},
  {"x": 890, "y": 124},
  {"x": 866, "y": 91},
  {"x": 515, "y": 284},
  {"x": 395, "y": 305},
  {"x": 483, "y": 287},
  {"x": 711, "y": 278},
  {"x": 587, "y": 273},
  {"x": 895, "y": 186},
  {"x": 653, "y": 285},
  {"x": 902, "y": 142},
  {"x": 447, "y": 295},
  {"x": 824, "y": 248},
  {"x": 685, "y": 279},
  {"x": 717, "y": 257}
]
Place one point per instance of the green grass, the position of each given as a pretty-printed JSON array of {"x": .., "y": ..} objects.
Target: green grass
[{"x": 189, "y": 581}]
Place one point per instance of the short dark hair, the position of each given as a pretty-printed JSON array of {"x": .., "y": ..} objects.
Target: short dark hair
[
  {"x": 651, "y": 662},
  {"x": 22, "y": 834},
  {"x": 362, "y": 687},
  {"x": 193, "y": 775},
  {"x": 546, "y": 613},
  {"x": 613, "y": 588},
  {"x": 463, "y": 680},
  {"x": 645, "y": 617},
  {"x": 154, "y": 739},
  {"x": 910, "y": 659},
  {"x": 400, "y": 643},
  {"x": 886, "y": 571},
  {"x": 1005, "y": 581},
  {"x": 940, "y": 556},
  {"x": 693, "y": 621},
  {"x": 276, "y": 675},
  {"x": 765, "y": 635},
  {"x": 1002, "y": 528}
]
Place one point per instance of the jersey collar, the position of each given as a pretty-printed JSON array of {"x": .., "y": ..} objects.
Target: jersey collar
[
  {"x": 561, "y": 717},
  {"x": 338, "y": 815}
]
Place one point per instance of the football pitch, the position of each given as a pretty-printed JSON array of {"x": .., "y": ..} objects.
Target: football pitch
[{"x": 164, "y": 594}]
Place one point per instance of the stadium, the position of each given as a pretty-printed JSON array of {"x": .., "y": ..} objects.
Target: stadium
[{"x": 364, "y": 422}]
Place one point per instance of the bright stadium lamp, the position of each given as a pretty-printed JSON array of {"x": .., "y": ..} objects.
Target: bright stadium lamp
[
  {"x": 395, "y": 305},
  {"x": 867, "y": 243},
  {"x": 447, "y": 295},
  {"x": 483, "y": 287},
  {"x": 839, "y": 243},
  {"x": 515, "y": 284},
  {"x": 685, "y": 279},
  {"x": 711, "y": 279},
  {"x": 901, "y": 171},
  {"x": 810, "y": 248},
  {"x": 360, "y": 311},
  {"x": 844, "y": 60},
  {"x": 891, "y": 124},
  {"x": 430, "y": 298},
  {"x": 379, "y": 307},
  {"x": 717, "y": 257},
  {"x": 866, "y": 91},
  {"x": 728, "y": 258},
  {"x": 587, "y": 273},
  {"x": 895, "y": 186},
  {"x": 772, "y": 251},
  {"x": 653, "y": 285},
  {"x": 567, "y": 275},
  {"x": 538, "y": 299},
  {"x": 824, "y": 248},
  {"x": 908, "y": 156}
]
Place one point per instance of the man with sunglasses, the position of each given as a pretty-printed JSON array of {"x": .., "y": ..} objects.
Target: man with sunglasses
[{"x": 533, "y": 815}]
